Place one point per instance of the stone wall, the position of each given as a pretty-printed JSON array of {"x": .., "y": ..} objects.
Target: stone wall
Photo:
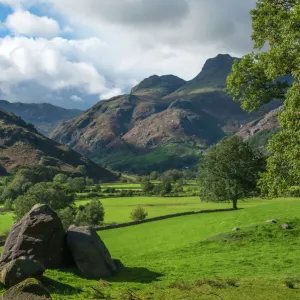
[{"x": 127, "y": 224}]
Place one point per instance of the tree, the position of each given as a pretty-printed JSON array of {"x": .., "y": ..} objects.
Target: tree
[
  {"x": 90, "y": 214},
  {"x": 60, "y": 178},
  {"x": 138, "y": 214},
  {"x": 229, "y": 171},
  {"x": 77, "y": 184},
  {"x": 154, "y": 175},
  {"x": 55, "y": 195},
  {"x": 147, "y": 187},
  {"x": 259, "y": 78}
]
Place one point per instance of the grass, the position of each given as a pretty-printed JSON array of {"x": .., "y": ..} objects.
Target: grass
[
  {"x": 6, "y": 220},
  {"x": 199, "y": 257}
]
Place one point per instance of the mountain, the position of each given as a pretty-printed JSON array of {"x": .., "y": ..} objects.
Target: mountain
[
  {"x": 259, "y": 131},
  {"x": 164, "y": 123},
  {"x": 45, "y": 117},
  {"x": 22, "y": 145},
  {"x": 158, "y": 86}
]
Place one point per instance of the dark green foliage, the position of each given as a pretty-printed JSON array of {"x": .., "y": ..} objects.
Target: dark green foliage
[
  {"x": 274, "y": 74},
  {"x": 147, "y": 187},
  {"x": 90, "y": 214},
  {"x": 77, "y": 184},
  {"x": 154, "y": 175},
  {"x": 138, "y": 214},
  {"x": 229, "y": 171},
  {"x": 261, "y": 139},
  {"x": 55, "y": 195},
  {"x": 8, "y": 205},
  {"x": 60, "y": 178},
  {"x": 67, "y": 216},
  {"x": 164, "y": 188}
]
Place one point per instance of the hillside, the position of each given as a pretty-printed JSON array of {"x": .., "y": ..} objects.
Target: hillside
[
  {"x": 22, "y": 145},
  {"x": 259, "y": 131},
  {"x": 44, "y": 116},
  {"x": 149, "y": 130}
]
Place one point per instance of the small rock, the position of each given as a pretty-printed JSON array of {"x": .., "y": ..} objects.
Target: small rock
[
  {"x": 286, "y": 226},
  {"x": 30, "y": 289},
  {"x": 236, "y": 229},
  {"x": 271, "y": 221},
  {"x": 20, "y": 269}
]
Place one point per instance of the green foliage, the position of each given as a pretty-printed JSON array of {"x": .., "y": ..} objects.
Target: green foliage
[
  {"x": 147, "y": 187},
  {"x": 154, "y": 175},
  {"x": 90, "y": 214},
  {"x": 138, "y": 214},
  {"x": 60, "y": 178},
  {"x": 229, "y": 171},
  {"x": 8, "y": 205},
  {"x": 254, "y": 81},
  {"x": 55, "y": 195},
  {"x": 67, "y": 216},
  {"x": 77, "y": 184}
]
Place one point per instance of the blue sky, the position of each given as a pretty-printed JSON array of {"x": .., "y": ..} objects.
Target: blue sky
[{"x": 76, "y": 53}]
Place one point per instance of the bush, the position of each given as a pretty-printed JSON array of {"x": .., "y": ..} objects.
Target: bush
[
  {"x": 138, "y": 214},
  {"x": 77, "y": 184},
  {"x": 90, "y": 214},
  {"x": 60, "y": 178},
  {"x": 126, "y": 193},
  {"x": 147, "y": 187},
  {"x": 8, "y": 205},
  {"x": 67, "y": 216}
]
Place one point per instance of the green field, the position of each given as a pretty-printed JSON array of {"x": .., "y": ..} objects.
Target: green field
[
  {"x": 191, "y": 258},
  {"x": 6, "y": 221}
]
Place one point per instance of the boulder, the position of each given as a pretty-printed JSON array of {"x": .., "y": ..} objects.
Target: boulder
[
  {"x": 29, "y": 289},
  {"x": 38, "y": 236},
  {"x": 90, "y": 254},
  {"x": 271, "y": 221},
  {"x": 286, "y": 226},
  {"x": 236, "y": 229},
  {"x": 20, "y": 269}
]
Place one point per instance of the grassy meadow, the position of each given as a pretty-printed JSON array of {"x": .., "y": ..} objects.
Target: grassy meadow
[{"x": 192, "y": 257}]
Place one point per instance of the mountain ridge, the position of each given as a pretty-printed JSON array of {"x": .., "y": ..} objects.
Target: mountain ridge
[{"x": 143, "y": 130}]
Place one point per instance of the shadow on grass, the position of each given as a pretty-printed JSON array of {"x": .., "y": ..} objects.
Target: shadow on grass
[
  {"x": 139, "y": 275},
  {"x": 59, "y": 288}
]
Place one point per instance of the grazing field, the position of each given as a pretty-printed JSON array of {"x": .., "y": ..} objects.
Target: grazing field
[
  {"x": 6, "y": 220},
  {"x": 200, "y": 257}
]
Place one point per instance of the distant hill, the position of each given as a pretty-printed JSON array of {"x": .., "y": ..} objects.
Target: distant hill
[
  {"x": 44, "y": 116},
  {"x": 22, "y": 145},
  {"x": 164, "y": 123}
]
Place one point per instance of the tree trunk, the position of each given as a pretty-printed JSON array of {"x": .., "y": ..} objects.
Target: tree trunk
[{"x": 234, "y": 204}]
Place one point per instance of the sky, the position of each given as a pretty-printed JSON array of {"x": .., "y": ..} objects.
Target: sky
[{"x": 74, "y": 53}]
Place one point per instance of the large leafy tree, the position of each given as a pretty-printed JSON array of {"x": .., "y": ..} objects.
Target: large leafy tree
[
  {"x": 273, "y": 72},
  {"x": 229, "y": 171}
]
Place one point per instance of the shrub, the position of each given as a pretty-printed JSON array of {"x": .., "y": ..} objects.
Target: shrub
[
  {"x": 90, "y": 214},
  {"x": 67, "y": 216},
  {"x": 60, "y": 178},
  {"x": 8, "y": 205},
  {"x": 138, "y": 214},
  {"x": 77, "y": 184}
]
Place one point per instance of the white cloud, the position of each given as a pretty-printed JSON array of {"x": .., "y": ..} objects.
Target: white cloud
[
  {"x": 121, "y": 42},
  {"x": 76, "y": 98},
  {"x": 23, "y": 22}
]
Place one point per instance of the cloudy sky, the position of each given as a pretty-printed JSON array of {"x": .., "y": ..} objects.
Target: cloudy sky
[{"x": 74, "y": 53}]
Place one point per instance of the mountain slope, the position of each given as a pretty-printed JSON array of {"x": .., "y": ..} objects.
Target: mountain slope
[
  {"x": 22, "y": 145},
  {"x": 44, "y": 116},
  {"x": 149, "y": 130},
  {"x": 259, "y": 131}
]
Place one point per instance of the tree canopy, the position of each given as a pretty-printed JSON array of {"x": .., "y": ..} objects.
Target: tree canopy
[
  {"x": 229, "y": 171},
  {"x": 272, "y": 72}
]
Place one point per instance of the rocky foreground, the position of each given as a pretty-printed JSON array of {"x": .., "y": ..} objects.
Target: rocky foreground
[{"x": 39, "y": 242}]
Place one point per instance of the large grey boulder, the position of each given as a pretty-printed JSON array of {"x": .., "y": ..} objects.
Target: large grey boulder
[
  {"x": 38, "y": 236},
  {"x": 29, "y": 289},
  {"x": 90, "y": 253},
  {"x": 20, "y": 269}
]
